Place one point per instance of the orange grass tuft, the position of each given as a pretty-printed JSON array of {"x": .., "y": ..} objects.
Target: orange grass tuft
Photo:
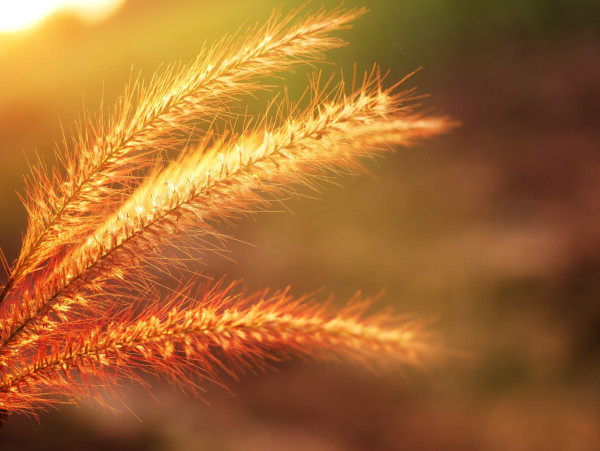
[
  {"x": 192, "y": 341},
  {"x": 67, "y": 322}
]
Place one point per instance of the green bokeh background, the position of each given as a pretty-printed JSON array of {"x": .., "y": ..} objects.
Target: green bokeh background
[{"x": 492, "y": 230}]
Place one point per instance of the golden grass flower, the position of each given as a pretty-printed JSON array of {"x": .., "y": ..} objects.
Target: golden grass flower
[{"x": 99, "y": 222}]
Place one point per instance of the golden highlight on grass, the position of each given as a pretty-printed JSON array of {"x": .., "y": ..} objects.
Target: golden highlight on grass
[
  {"x": 74, "y": 310},
  {"x": 147, "y": 119}
]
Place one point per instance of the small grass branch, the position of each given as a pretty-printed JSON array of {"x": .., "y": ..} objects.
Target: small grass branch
[{"x": 81, "y": 307}]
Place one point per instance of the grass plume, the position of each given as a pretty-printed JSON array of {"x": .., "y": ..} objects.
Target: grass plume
[
  {"x": 220, "y": 331},
  {"x": 99, "y": 224},
  {"x": 152, "y": 118}
]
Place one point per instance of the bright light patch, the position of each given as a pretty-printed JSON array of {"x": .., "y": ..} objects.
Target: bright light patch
[{"x": 17, "y": 15}]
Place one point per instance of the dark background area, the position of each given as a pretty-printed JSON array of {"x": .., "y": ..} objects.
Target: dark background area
[{"x": 492, "y": 230}]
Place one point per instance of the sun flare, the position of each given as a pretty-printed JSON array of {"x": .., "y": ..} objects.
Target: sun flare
[{"x": 21, "y": 14}]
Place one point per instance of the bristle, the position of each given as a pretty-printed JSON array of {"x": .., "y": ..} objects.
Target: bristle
[
  {"x": 228, "y": 179},
  {"x": 224, "y": 332},
  {"x": 109, "y": 153},
  {"x": 73, "y": 314}
]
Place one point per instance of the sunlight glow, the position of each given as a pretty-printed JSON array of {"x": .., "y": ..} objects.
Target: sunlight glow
[{"x": 18, "y": 15}]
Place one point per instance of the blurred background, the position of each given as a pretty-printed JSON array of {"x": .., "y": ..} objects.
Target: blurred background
[{"x": 492, "y": 230}]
